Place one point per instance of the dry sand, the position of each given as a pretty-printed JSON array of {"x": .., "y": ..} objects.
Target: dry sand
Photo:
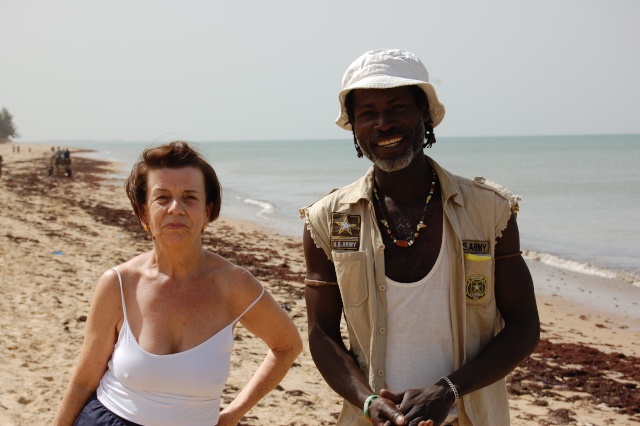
[{"x": 59, "y": 234}]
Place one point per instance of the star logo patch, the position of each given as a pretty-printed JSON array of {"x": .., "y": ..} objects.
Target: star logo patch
[
  {"x": 476, "y": 286},
  {"x": 345, "y": 231},
  {"x": 345, "y": 226}
]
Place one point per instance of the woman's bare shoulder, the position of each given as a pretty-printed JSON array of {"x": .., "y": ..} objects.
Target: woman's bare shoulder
[
  {"x": 109, "y": 283},
  {"x": 240, "y": 285},
  {"x": 129, "y": 271},
  {"x": 135, "y": 264}
]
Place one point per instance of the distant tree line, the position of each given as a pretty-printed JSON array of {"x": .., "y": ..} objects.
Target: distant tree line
[{"x": 7, "y": 128}]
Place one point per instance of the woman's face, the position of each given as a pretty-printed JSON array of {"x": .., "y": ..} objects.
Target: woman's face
[{"x": 176, "y": 204}]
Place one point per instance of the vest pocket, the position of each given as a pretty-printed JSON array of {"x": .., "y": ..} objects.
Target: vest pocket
[
  {"x": 478, "y": 280},
  {"x": 352, "y": 277}
]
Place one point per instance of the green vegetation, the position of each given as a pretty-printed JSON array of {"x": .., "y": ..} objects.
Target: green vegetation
[{"x": 7, "y": 128}]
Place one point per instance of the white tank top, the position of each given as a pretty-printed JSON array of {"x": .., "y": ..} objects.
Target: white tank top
[
  {"x": 419, "y": 335},
  {"x": 176, "y": 389}
]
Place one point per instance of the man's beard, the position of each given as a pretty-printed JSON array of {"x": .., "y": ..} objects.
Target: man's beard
[{"x": 399, "y": 163}]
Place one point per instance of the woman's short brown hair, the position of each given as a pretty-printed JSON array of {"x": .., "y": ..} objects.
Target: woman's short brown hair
[{"x": 174, "y": 155}]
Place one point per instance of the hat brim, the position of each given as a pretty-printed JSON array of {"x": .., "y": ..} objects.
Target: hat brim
[{"x": 436, "y": 109}]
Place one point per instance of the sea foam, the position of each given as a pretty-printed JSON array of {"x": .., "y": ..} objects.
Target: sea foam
[{"x": 584, "y": 268}]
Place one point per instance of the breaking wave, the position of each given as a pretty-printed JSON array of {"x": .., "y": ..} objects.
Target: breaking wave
[
  {"x": 265, "y": 208},
  {"x": 585, "y": 268}
]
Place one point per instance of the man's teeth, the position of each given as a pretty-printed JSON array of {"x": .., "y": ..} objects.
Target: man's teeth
[{"x": 389, "y": 142}]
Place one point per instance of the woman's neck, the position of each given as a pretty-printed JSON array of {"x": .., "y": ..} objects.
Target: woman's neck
[{"x": 178, "y": 262}]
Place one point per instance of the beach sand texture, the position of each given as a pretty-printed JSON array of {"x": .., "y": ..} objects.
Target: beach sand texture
[{"x": 60, "y": 234}]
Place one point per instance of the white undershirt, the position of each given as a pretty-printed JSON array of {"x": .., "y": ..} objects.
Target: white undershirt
[{"x": 419, "y": 335}]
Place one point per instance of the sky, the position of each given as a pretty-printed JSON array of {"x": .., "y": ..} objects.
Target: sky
[{"x": 139, "y": 70}]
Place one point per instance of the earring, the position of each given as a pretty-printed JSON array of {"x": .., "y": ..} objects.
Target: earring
[
  {"x": 146, "y": 227},
  {"x": 204, "y": 227},
  {"x": 355, "y": 142}
]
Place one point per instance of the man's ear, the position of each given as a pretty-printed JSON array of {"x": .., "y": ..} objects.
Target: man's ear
[{"x": 426, "y": 116}]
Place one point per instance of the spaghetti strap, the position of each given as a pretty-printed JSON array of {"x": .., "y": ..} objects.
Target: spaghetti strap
[
  {"x": 250, "y": 306},
  {"x": 124, "y": 306}
]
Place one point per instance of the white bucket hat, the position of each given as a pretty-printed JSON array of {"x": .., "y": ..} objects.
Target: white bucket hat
[{"x": 386, "y": 69}]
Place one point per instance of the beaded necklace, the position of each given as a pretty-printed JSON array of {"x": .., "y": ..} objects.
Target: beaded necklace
[{"x": 409, "y": 241}]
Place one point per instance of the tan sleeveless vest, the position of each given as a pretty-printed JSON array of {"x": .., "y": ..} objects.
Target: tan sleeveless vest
[{"x": 343, "y": 224}]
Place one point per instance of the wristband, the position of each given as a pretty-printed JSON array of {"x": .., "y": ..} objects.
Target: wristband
[
  {"x": 367, "y": 403},
  {"x": 453, "y": 388}
]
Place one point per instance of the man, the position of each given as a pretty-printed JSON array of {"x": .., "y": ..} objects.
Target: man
[{"x": 425, "y": 266}]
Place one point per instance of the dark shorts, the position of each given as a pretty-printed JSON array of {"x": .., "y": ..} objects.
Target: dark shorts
[{"x": 96, "y": 414}]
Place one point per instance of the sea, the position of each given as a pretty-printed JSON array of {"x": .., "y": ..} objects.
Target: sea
[{"x": 580, "y": 205}]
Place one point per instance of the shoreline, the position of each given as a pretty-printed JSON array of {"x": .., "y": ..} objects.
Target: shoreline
[
  {"x": 280, "y": 218},
  {"x": 61, "y": 233}
]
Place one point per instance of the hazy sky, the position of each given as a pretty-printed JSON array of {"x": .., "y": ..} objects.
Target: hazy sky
[{"x": 270, "y": 69}]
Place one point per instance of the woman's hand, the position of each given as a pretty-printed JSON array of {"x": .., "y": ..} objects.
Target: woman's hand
[{"x": 228, "y": 419}]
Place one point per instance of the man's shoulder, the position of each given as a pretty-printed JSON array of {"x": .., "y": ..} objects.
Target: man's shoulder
[
  {"x": 478, "y": 183},
  {"x": 480, "y": 186},
  {"x": 347, "y": 194},
  {"x": 467, "y": 186},
  {"x": 328, "y": 202},
  {"x": 483, "y": 183}
]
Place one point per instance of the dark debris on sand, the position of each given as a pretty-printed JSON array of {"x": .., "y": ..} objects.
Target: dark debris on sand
[
  {"x": 611, "y": 379},
  {"x": 264, "y": 263},
  {"x": 90, "y": 173}
]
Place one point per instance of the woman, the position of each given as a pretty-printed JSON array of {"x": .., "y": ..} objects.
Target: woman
[{"x": 159, "y": 333}]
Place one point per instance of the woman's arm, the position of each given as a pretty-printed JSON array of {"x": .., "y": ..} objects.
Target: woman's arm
[
  {"x": 267, "y": 321},
  {"x": 99, "y": 339}
]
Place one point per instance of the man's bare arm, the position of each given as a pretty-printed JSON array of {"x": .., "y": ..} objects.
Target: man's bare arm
[{"x": 331, "y": 356}]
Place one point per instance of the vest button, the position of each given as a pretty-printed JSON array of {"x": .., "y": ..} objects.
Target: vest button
[
  {"x": 380, "y": 372},
  {"x": 381, "y": 330},
  {"x": 382, "y": 287},
  {"x": 380, "y": 247}
]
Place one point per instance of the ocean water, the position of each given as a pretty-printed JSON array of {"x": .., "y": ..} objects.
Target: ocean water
[{"x": 580, "y": 205}]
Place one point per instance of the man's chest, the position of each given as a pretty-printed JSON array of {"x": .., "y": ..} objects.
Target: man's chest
[{"x": 410, "y": 264}]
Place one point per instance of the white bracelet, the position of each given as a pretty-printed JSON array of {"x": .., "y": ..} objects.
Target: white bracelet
[{"x": 453, "y": 388}]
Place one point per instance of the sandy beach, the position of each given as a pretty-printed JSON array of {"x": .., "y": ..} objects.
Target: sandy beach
[{"x": 59, "y": 234}]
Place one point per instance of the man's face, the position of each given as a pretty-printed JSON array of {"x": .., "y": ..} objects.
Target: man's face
[{"x": 389, "y": 126}]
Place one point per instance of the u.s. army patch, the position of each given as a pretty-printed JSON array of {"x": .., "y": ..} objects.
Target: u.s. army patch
[
  {"x": 345, "y": 231},
  {"x": 476, "y": 286},
  {"x": 475, "y": 247}
]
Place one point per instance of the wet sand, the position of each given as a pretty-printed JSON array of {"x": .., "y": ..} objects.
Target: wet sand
[{"x": 59, "y": 234}]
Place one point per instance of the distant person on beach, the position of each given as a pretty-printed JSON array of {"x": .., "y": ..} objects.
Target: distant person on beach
[
  {"x": 424, "y": 265},
  {"x": 159, "y": 333},
  {"x": 1, "y": 160}
]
